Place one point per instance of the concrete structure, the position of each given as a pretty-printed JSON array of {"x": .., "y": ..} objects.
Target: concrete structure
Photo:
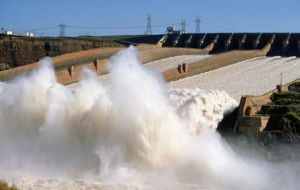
[
  {"x": 172, "y": 30},
  {"x": 247, "y": 121},
  {"x": 7, "y": 32},
  {"x": 29, "y": 34},
  {"x": 97, "y": 64},
  {"x": 284, "y": 44},
  {"x": 71, "y": 70},
  {"x": 184, "y": 67}
]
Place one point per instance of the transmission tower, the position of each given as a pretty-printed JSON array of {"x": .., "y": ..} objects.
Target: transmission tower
[
  {"x": 149, "y": 26},
  {"x": 62, "y": 29},
  {"x": 183, "y": 25},
  {"x": 197, "y": 25}
]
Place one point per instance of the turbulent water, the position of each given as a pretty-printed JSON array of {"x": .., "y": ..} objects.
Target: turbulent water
[{"x": 135, "y": 134}]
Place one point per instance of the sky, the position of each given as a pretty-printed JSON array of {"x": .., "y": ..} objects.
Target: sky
[{"x": 114, "y": 17}]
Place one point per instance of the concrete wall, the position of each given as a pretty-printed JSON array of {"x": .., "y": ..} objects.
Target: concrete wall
[
  {"x": 285, "y": 44},
  {"x": 294, "y": 45},
  {"x": 219, "y": 45},
  {"x": 195, "y": 42},
  {"x": 252, "y": 125},
  {"x": 247, "y": 121},
  {"x": 277, "y": 45}
]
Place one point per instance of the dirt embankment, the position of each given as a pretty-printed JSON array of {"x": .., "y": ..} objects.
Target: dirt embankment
[
  {"x": 21, "y": 50},
  {"x": 86, "y": 58},
  {"x": 65, "y": 60}
]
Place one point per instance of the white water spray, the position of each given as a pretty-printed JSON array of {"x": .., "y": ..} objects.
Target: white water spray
[{"x": 133, "y": 133}]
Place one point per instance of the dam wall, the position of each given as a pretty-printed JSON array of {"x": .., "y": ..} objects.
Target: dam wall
[
  {"x": 21, "y": 50},
  {"x": 282, "y": 44}
]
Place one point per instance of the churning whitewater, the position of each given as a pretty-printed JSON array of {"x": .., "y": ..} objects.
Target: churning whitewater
[{"x": 134, "y": 132}]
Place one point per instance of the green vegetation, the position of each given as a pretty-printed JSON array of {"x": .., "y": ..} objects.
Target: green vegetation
[
  {"x": 295, "y": 87},
  {"x": 285, "y": 104},
  {"x": 288, "y": 95},
  {"x": 293, "y": 116},
  {"x": 286, "y": 101},
  {"x": 284, "y": 112},
  {"x": 279, "y": 109},
  {"x": 4, "y": 186}
]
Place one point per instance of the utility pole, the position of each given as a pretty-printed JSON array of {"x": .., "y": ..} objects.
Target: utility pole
[
  {"x": 62, "y": 30},
  {"x": 149, "y": 26},
  {"x": 183, "y": 25},
  {"x": 197, "y": 25}
]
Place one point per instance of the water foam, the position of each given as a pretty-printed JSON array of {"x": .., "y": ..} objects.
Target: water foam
[{"x": 135, "y": 132}]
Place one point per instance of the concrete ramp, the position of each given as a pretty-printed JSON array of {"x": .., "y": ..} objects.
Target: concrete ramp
[
  {"x": 161, "y": 41},
  {"x": 254, "y": 76},
  {"x": 217, "y": 61},
  {"x": 209, "y": 47}
]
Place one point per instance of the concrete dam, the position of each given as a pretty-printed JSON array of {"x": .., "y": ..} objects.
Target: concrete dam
[{"x": 284, "y": 44}]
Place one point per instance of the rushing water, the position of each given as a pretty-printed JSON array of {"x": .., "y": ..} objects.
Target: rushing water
[{"x": 135, "y": 134}]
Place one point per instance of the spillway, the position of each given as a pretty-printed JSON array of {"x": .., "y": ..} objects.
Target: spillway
[{"x": 251, "y": 77}]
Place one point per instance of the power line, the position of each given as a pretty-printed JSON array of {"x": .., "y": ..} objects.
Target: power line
[
  {"x": 219, "y": 26},
  {"x": 120, "y": 27},
  {"x": 62, "y": 27},
  {"x": 210, "y": 29},
  {"x": 38, "y": 29},
  {"x": 104, "y": 27}
]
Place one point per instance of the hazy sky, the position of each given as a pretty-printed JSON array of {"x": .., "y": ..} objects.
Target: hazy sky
[{"x": 215, "y": 15}]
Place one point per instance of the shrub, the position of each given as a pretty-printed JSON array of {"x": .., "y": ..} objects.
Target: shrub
[
  {"x": 293, "y": 116},
  {"x": 279, "y": 109},
  {"x": 286, "y": 101},
  {"x": 285, "y": 95},
  {"x": 295, "y": 87}
]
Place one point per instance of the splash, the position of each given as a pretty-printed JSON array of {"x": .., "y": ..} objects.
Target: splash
[{"x": 135, "y": 132}]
